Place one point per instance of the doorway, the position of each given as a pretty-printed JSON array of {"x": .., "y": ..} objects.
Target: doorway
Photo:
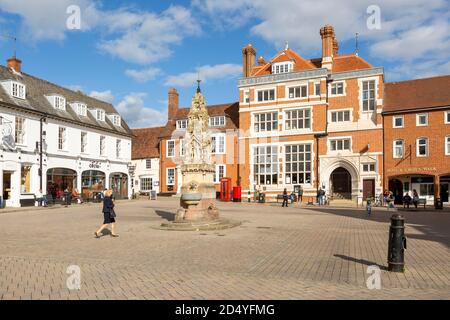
[
  {"x": 341, "y": 184},
  {"x": 368, "y": 188},
  {"x": 396, "y": 186},
  {"x": 6, "y": 185},
  {"x": 444, "y": 192}
]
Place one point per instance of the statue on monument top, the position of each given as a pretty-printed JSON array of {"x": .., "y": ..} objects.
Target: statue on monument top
[{"x": 198, "y": 140}]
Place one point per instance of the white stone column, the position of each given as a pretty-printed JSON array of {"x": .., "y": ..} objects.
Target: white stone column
[
  {"x": 179, "y": 180},
  {"x": 79, "y": 174}
]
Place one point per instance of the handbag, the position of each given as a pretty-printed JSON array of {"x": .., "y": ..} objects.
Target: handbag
[{"x": 112, "y": 213}]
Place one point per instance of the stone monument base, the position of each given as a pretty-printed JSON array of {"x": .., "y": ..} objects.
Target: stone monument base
[{"x": 200, "y": 225}]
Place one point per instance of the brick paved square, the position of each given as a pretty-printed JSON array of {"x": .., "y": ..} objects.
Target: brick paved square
[{"x": 277, "y": 253}]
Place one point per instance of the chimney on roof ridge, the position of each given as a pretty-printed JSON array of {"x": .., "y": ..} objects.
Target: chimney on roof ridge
[
  {"x": 335, "y": 47},
  {"x": 328, "y": 45},
  {"x": 14, "y": 64},
  {"x": 249, "y": 59},
  {"x": 261, "y": 61},
  {"x": 173, "y": 104}
]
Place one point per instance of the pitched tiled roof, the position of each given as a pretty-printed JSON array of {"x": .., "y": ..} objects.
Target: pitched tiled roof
[
  {"x": 38, "y": 89},
  {"x": 349, "y": 62},
  {"x": 417, "y": 94},
  {"x": 146, "y": 143},
  {"x": 285, "y": 55},
  {"x": 229, "y": 110}
]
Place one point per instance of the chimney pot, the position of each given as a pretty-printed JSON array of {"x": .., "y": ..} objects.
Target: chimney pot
[
  {"x": 249, "y": 59},
  {"x": 173, "y": 103}
]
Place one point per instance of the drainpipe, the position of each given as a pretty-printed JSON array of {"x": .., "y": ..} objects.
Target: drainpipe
[{"x": 41, "y": 140}]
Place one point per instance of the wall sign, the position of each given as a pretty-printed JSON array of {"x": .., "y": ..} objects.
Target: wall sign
[{"x": 95, "y": 165}]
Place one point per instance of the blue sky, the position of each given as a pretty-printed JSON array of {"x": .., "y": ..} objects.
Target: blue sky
[{"x": 131, "y": 52}]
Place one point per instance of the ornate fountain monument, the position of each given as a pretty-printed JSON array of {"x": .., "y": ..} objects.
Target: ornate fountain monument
[{"x": 198, "y": 209}]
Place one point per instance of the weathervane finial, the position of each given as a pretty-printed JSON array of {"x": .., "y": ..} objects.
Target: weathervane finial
[{"x": 198, "y": 85}]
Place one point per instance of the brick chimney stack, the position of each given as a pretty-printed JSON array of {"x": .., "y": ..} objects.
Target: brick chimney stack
[
  {"x": 249, "y": 59},
  {"x": 173, "y": 103},
  {"x": 328, "y": 45},
  {"x": 15, "y": 64},
  {"x": 335, "y": 47}
]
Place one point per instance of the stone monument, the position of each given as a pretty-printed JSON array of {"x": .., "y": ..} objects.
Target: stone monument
[{"x": 198, "y": 209}]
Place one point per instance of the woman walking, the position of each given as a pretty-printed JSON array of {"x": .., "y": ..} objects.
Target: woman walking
[
  {"x": 108, "y": 214},
  {"x": 285, "y": 198}
]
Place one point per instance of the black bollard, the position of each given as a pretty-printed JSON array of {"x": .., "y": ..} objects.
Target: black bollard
[{"x": 397, "y": 244}]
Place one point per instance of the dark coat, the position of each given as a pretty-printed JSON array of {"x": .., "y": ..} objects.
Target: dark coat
[{"x": 108, "y": 204}]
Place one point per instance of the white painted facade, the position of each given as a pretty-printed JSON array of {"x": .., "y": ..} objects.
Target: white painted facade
[
  {"x": 146, "y": 177},
  {"x": 15, "y": 158}
]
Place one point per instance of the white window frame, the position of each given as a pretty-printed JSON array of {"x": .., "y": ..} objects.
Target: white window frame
[
  {"x": 62, "y": 138},
  {"x": 315, "y": 89},
  {"x": 167, "y": 177},
  {"x": 20, "y": 133},
  {"x": 116, "y": 120},
  {"x": 118, "y": 148},
  {"x": 398, "y": 117},
  {"x": 259, "y": 122},
  {"x": 394, "y": 146},
  {"x": 297, "y": 163},
  {"x": 215, "y": 143},
  {"x": 100, "y": 115},
  {"x": 217, "y": 173},
  {"x": 298, "y": 120},
  {"x": 447, "y": 117},
  {"x": 426, "y": 146},
  {"x": 336, "y": 139},
  {"x": 300, "y": 87},
  {"x": 167, "y": 148},
  {"x": 102, "y": 146},
  {"x": 271, "y": 163},
  {"x": 217, "y": 121},
  {"x": 268, "y": 95},
  {"x": 418, "y": 116},
  {"x": 282, "y": 67},
  {"x": 182, "y": 124},
  {"x": 149, "y": 182},
  {"x": 182, "y": 146},
  {"x": 84, "y": 141},
  {"x": 147, "y": 162},
  {"x": 335, "y": 83},
  {"x": 337, "y": 112},
  {"x": 447, "y": 145},
  {"x": 375, "y": 86},
  {"x": 369, "y": 165},
  {"x": 18, "y": 90},
  {"x": 246, "y": 96},
  {"x": 81, "y": 109}
]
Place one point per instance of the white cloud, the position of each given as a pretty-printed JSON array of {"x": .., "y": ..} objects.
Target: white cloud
[
  {"x": 132, "y": 109},
  {"x": 143, "y": 75},
  {"x": 106, "y": 96},
  {"x": 206, "y": 73}
]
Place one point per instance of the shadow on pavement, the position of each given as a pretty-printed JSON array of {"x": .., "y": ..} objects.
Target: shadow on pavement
[
  {"x": 169, "y": 216},
  {"x": 431, "y": 226},
  {"x": 361, "y": 261}
]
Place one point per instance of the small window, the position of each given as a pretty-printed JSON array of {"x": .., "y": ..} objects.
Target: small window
[
  {"x": 62, "y": 138},
  {"x": 18, "y": 90},
  {"x": 368, "y": 95},
  {"x": 20, "y": 130},
  {"x": 447, "y": 145},
  {"x": 220, "y": 173},
  {"x": 118, "y": 148},
  {"x": 266, "y": 95},
  {"x": 369, "y": 167},
  {"x": 148, "y": 164},
  {"x": 218, "y": 144},
  {"x": 422, "y": 147},
  {"x": 398, "y": 148},
  {"x": 182, "y": 124},
  {"x": 447, "y": 117},
  {"x": 298, "y": 92},
  {"x": 246, "y": 96},
  {"x": 182, "y": 147},
  {"x": 283, "y": 67},
  {"x": 81, "y": 109},
  {"x": 218, "y": 121},
  {"x": 170, "y": 176},
  {"x": 397, "y": 122},
  {"x": 171, "y": 148},
  {"x": 60, "y": 103},
  {"x": 337, "y": 88},
  {"x": 422, "y": 119},
  {"x": 317, "y": 89},
  {"x": 340, "y": 145},
  {"x": 340, "y": 116},
  {"x": 100, "y": 115},
  {"x": 84, "y": 142},
  {"x": 102, "y": 145},
  {"x": 146, "y": 184},
  {"x": 116, "y": 120}
]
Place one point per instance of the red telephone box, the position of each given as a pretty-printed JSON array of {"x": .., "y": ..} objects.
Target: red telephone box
[{"x": 225, "y": 189}]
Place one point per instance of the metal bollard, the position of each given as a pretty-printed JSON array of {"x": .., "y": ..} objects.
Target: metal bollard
[{"x": 397, "y": 244}]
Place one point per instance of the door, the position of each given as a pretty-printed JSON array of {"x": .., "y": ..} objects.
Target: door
[
  {"x": 341, "y": 182},
  {"x": 6, "y": 186},
  {"x": 368, "y": 188},
  {"x": 444, "y": 192},
  {"x": 396, "y": 186}
]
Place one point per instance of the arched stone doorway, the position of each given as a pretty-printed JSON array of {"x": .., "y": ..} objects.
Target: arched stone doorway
[{"x": 341, "y": 184}]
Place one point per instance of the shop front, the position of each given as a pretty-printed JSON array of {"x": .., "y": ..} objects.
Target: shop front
[
  {"x": 60, "y": 179},
  {"x": 423, "y": 184},
  {"x": 92, "y": 182},
  {"x": 444, "y": 184},
  {"x": 118, "y": 182}
]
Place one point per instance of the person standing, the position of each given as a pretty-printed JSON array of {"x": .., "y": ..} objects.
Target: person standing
[
  {"x": 369, "y": 205},
  {"x": 285, "y": 198},
  {"x": 41, "y": 198},
  {"x": 109, "y": 214},
  {"x": 300, "y": 195},
  {"x": 415, "y": 198}
]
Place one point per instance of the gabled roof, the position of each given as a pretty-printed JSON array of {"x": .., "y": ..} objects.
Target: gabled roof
[
  {"x": 229, "y": 110},
  {"x": 36, "y": 101},
  {"x": 417, "y": 94},
  {"x": 282, "y": 56},
  {"x": 349, "y": 62},
  {"x": 146, "y": 143}
]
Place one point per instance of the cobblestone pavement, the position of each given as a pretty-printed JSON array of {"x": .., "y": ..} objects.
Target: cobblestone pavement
[{"x": 277, "y": 253}]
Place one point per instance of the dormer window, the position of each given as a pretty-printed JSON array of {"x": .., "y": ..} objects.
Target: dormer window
[
  {"x": 100, "y": 115},
  {"x": 59, "y": 103},
  {"x": 18, "y": 90},
  {"x": 116, "y": 120},
  {"x": 80, "y": 109},
  {"x": 218, "y": 121},
  {"x": 282, "y": 67}
]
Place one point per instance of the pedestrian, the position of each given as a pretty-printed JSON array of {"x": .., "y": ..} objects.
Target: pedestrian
[
  {"x": 415, "y": 198},
  {"x": 109, "y": 215},
  {"x": 285, "y": 198},
  {"x": 369, "y": 205},
  {"x": 406, "y": 200},
  {"x": 321, "y": 196},
  {"x": 385, "y": 197},
  {"x": 41, "y": 199},
  {"x": 67, "y": 196},
  {"x": 300, "y": 195}
]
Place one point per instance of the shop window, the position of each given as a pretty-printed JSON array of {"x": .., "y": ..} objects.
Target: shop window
[
  {"x": 146, "y": 184},
  {"x": 265, "y": 164},
  {"x": 25, "y": 179}
]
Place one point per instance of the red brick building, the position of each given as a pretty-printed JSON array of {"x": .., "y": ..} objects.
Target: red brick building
[{"x": 416, "y": 121}]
